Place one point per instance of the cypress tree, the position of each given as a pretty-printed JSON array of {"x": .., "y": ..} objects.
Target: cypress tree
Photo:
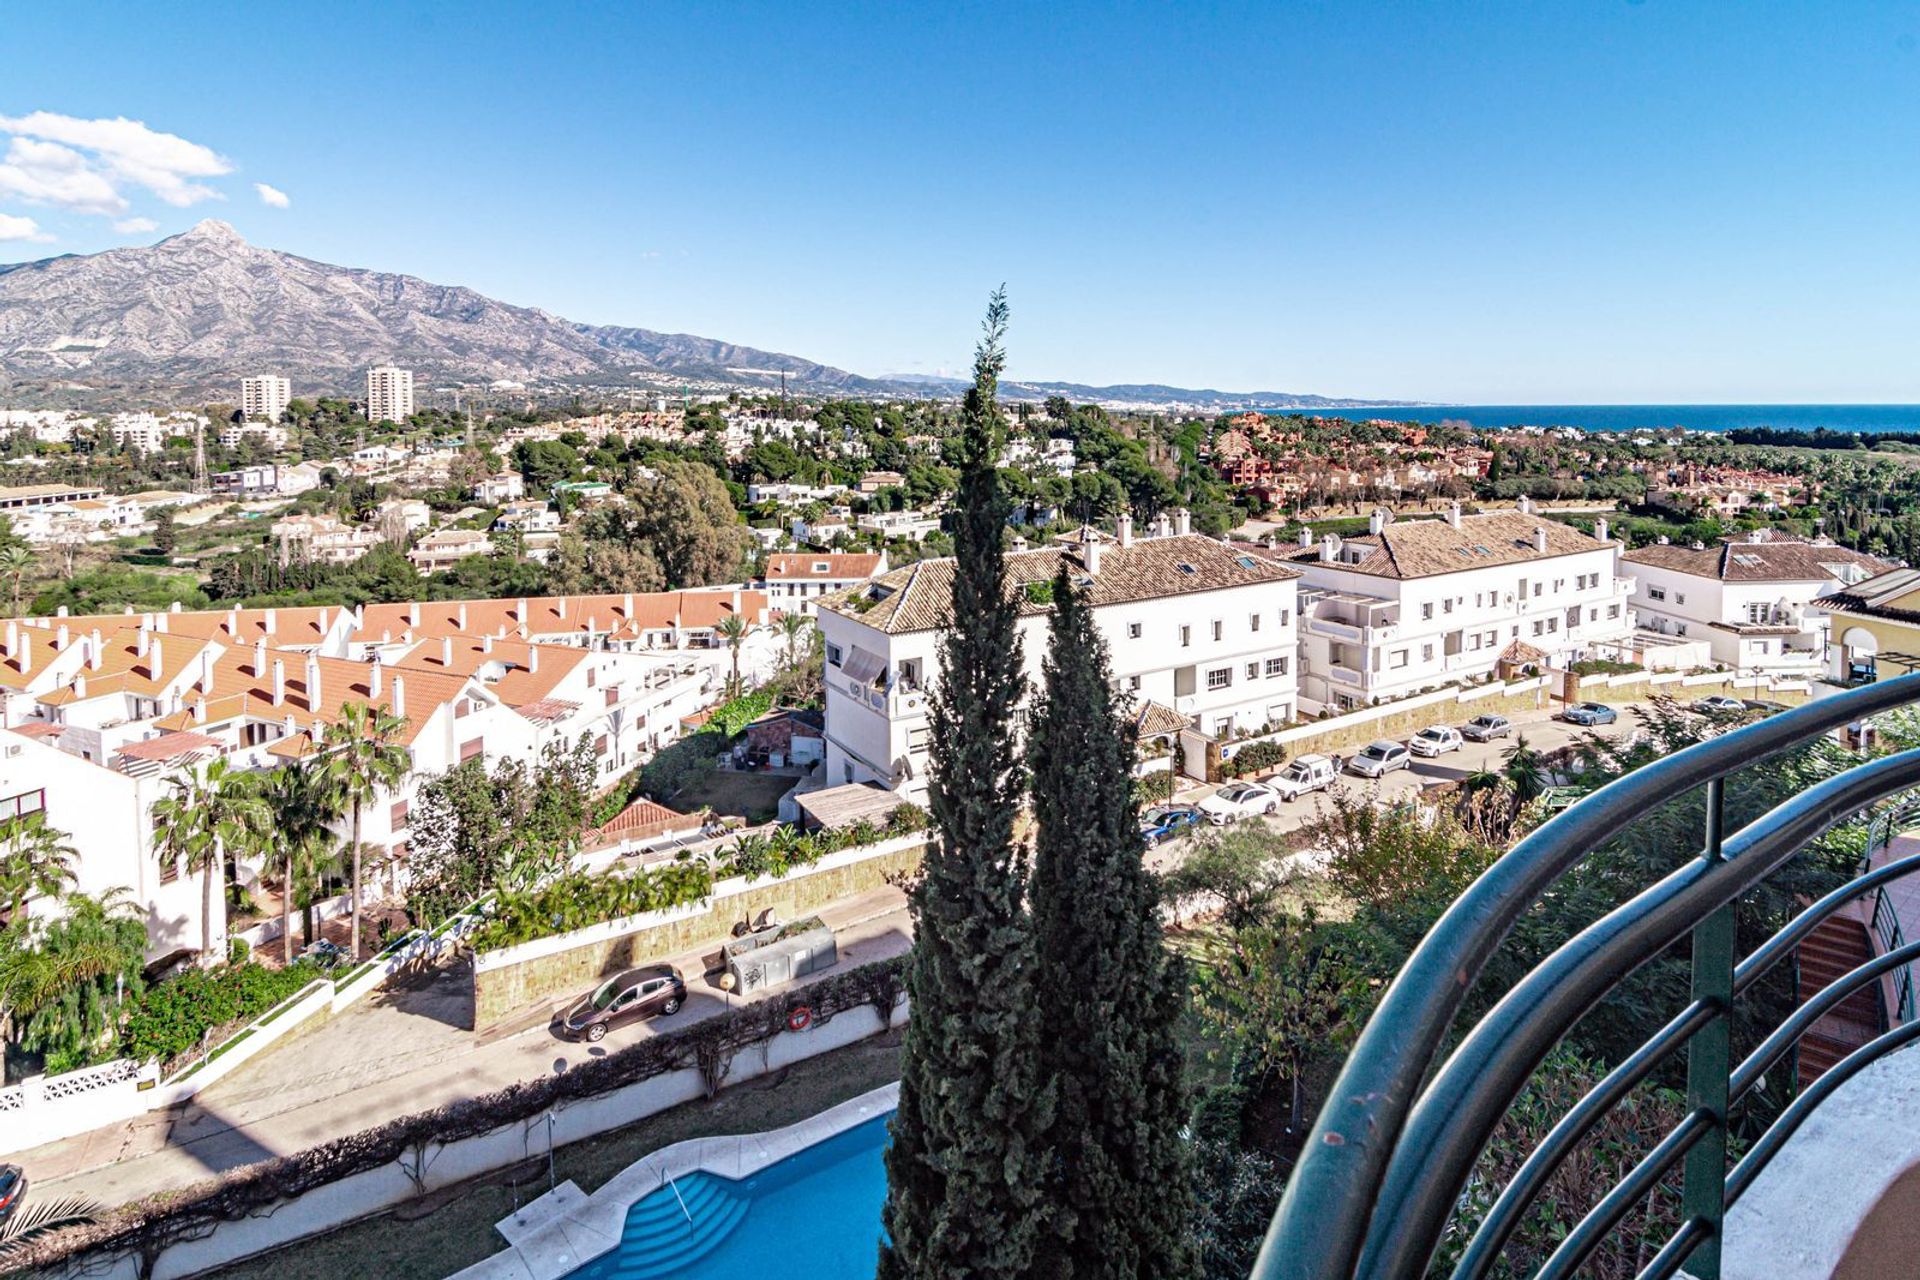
[
  {"x": 964, "y": 1194},
  {"x": 1110, "y": 996}
]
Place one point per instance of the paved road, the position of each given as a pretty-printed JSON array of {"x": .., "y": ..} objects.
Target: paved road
[{"x": 401, "y": 1051}]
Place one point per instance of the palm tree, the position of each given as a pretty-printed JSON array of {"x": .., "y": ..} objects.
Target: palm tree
[
  {"x": 34, "y": 858},
  {"x": 61, "y": 980},
  {"x": 363, "y": 759},
  {"x": 303, "y": 803},
  {"x": 208, "y": 815},
  {"x": 792, "y": 627},
  {"x": 734, "y": 630},
  {"x": 19, "y": 1232},
  {"x": 1525, "y": 771},
  {"x": 16, "y": 561}
]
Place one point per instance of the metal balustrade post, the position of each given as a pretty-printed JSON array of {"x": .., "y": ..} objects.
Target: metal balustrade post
[{"x": 1710, "y": 1062}]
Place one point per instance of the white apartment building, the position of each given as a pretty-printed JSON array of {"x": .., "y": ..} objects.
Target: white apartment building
[
  {"x": 389, "y": 394},
  {"x": 1748, "y": 597},
  {"x": 1203, "y": 629},
  {"x": 1417, "y": 604},
  {"x": 796, "y": 581},
  {"x": 265, "y": 396},
  {"x": 259, "y": 434},
  {"x": 149, "y": 433}
]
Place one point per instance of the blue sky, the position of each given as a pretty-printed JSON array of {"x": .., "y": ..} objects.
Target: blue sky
[{"x": 1556, "y": 201}]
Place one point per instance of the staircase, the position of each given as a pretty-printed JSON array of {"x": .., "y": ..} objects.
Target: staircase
[
  {"x": 1837, "y": 946},
  {"x": 661, "y": 1238}
]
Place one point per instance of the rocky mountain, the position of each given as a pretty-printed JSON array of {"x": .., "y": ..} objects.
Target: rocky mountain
[
  {"x": 191, "y": 315},
  {"x": 198, "y": 310}
]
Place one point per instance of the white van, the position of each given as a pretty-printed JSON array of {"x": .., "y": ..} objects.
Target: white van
[{"x": 1307, "y": 773}]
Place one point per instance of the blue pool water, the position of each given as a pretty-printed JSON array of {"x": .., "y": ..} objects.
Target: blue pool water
[{"x": 820, "y": 1208}]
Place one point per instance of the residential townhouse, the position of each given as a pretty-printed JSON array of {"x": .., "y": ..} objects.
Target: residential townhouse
[
  {"x": 1874, "y": 626},
  {"x": 1748, "y": 597},
  {"x": 442, "y": 549},
  {"x": 794, "y": 582},
  {"x": 1417, "y": 604},
  {"x": 507, "y": 486},
  {"x": 1202, "y": 631}
]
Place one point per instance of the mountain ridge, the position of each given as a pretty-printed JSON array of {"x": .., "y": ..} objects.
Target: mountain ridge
[{"x": 196, "y": 311}]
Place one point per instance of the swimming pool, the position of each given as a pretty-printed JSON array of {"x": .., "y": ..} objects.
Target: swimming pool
[{"x": 822, "y": 1203}]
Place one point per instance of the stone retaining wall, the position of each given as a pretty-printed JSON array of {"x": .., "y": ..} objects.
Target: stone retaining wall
[{"x": 505, "y": 984}]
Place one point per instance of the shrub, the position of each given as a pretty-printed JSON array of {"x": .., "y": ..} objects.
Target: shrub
[
  {"x": 238, "y": 952},
  {"x": 1603, "y": 667},
  {"x": 173, "y": 1016},
  {"x": 1255, "y": 757}
]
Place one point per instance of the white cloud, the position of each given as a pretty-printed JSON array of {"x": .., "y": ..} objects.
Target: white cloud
[
  {"x": 272, "y": 196},
  {"x": 48, "y": 173},
  {"x": 17, "y": 228},
  {"x": 135, "y": 226},
  {"x": 129, "y": 152}
]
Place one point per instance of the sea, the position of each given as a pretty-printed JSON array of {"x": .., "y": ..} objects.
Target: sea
[{"x": 1628, "y": 417}]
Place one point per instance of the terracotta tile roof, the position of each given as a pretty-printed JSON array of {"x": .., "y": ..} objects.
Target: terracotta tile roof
[
  {"x": 38, "y": 729},
  {"x": 789, "y": 566},
  {"x": 1894, "y": 594},
  {"x": 639, "y": 821},
  {"x": 555, "y": 615},
  {"x": 1426, "y": 548},
  {"x": 38, "y": 648},
  {"x": 1156, "y": 719},
  {"x": 296, "y": 746},
  {"x": 1774, "y": 560},
  {"x": 280, "y": 628},
  {"x": 170, "y": 746},
  {"x": 919, "y": 596},
  {"x": 1521, "y": 652},
  {"x": 509, "y": 667},
  {"x": 239, "y": 690},
  {"x": 124, "y": 668},
  {"x": 548, "y": 709}
]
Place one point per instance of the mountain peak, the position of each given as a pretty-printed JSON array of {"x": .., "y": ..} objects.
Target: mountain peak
[{"x": 211, "y": 230}]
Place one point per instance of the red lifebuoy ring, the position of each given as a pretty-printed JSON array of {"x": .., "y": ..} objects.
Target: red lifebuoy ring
[{"x": 800, "y": 1019}]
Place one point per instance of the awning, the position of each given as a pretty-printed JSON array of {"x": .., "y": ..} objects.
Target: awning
[{"x": 863, "y": 667}]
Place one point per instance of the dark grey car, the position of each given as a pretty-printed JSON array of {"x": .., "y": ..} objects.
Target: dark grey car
[{"x": 635, "y": 994}]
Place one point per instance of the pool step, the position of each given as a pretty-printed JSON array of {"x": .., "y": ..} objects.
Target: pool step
[{"x": 661, "y": 1238}]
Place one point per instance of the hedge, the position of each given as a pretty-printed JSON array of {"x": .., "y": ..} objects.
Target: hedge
[
  {"x": 173, "y": 1016},
  {"x": 146, "y": 1228}
]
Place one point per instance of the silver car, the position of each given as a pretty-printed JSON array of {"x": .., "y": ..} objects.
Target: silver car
[{"x": 1377, "y": 759}]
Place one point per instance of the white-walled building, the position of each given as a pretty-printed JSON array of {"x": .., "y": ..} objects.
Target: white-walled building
[
  {"x": 1748, "y": 597},
  {"x": 1199, "y": 627},
  {"x": 795, "y": 581},
  {"x": 265, "y": 396},
  {"x": 389, "y": 394},
  {"x": 1417, "y": 604}
]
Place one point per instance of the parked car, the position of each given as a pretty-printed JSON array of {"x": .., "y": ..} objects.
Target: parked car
[
  {"x": 1308, "y": 773},
  {"x": 1590, "y": 713},
  {"x": 1435, "y": 740},
  {"x": 1239, "y": 800},
  {"x": 1486, "y": 728},
  {"x": 637, "y": 993},
  {"x": 1378, "y": 759},
  {"x": 13, "y": 1189},
  {"x": 1165, "y": 821},
  {"x": 1719, "y": 704},
  {"x": 1764, "y": 707}
]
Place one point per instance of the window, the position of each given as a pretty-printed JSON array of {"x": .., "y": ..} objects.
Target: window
[
  {"x": 460, "y": 706},
  {"x": 397, "y": 816},
  {"x": 1398, "y": 658},
  {"x": 833, "y": 655},
  {"x": 590, "y": 674},
  {"x": 1679, "y": 628},
  {"x": 1285, "y": 614},
  {"x": 1426, "y": 653},
  {"x": 1253, "y": 622},
  {"x": 1253, "y": 671},
  {"x": 1559, "y": 585},
  {"x": 613, "y": 694},
  {"x": 471, "y": 749},
  {"x": 1219, "y": 629},
  {"x": 23, "y": 804},
  {"x": 1133, "y": 631},
  {"x": 600, "y": 745},
  {"x": 1473, "y": 641},
  {"x": 1186, "y": 637},
  {"x": 1613, "y": 611},
  {"x": 1476, "y": 599},
  {"x": 1538, "y": 626},
  {"x": 1656, "y": 593},
  {"x": 1133, "y": 683},
  {"x": 1276, "y": 667},
  {"x": 1679, "y": 597},
  {"x": 1538, "y": 587},
  {"x": 1760, "y": 647},
  {"x": 1553, "y": 624},
  {"x": 1446, "y": 606},
  {"x": 1426, "y": 612},
  {"x": 1220, "y": 678}
]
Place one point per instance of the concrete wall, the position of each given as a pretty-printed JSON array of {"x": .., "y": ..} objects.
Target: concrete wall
[{"x": 511, "y": 979}]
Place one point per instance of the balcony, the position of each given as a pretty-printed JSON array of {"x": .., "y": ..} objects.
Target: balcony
[
  {"x": 1820, "y": 1186},
  {"x": 1334, "y": 628},
  {"x": 1344, "y": 675}
]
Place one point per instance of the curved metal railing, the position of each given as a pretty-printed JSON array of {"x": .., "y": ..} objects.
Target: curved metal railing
[{"x": 1401, "y": 1129}]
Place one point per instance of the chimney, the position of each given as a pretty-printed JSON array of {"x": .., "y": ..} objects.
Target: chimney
[
  {"x": 80, "y": 686},
  {"x": 533, "y": 657},
  {"x": 26, "y": 656},
  {"x": 162, "y": 625},
  {"x": 13, "y": 638},
  {"x": 1757, "y": 535},
  {"x": 460, "y": 616},
  {"x": 140, "y": 645},
  {"x": 1162, "y": 525},
  {"x": 61, "y": 612},
  {"x": 399, "y": 697},
  {"x": 1090, "y": 551},
  {"x": 1329, "y": 548},
  {"x": 560, "y": 607},
  {"x": 98, "y": 650},
  {"x": 1182, "y": 522},
  {"x": 288, "y": 727},
  {"x": 1306, "y": 537},
  {"x": 174, "y": 608},
  {"x": 270, "y": 621},
  {"x": 373, "y": 681},
  {"x": 155, "y": 663},
  {"x": 279, "y": 682},
  {"x": 520, "y": 610},
  {"x": 1453, "y": 515},
  {"x": 314, "y": 694},
  {"x": 60, "y": 637},
  {"x": 206, "y": 671},
  {"x": 446, "y": 651},
  {"x": 1123, "y": 528},
  {"x": 486, "y": 644},
  {"x": 736, "y": 600},
  {"x": 1540, "y": 540},
  {"x": 629, "y": 609},
  {"x": 1376, "y": 520},
  {"x": 323, "y": 620},
  {"x": 1019, "y": 542},
  {"x": 1662, "y": 540},
  {"x": 1526, "y": 505},
  {"x": 1600, "y": 529},
  {"x": 200, "y": 711},
  {"x": 259, "y": 657},
  {"x": 413, "y": 614}
]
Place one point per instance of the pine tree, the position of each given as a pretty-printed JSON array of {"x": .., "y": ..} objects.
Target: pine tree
[
  {"x": 964, "y": 1194},
  {"x": 1111, "y": 997}
]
